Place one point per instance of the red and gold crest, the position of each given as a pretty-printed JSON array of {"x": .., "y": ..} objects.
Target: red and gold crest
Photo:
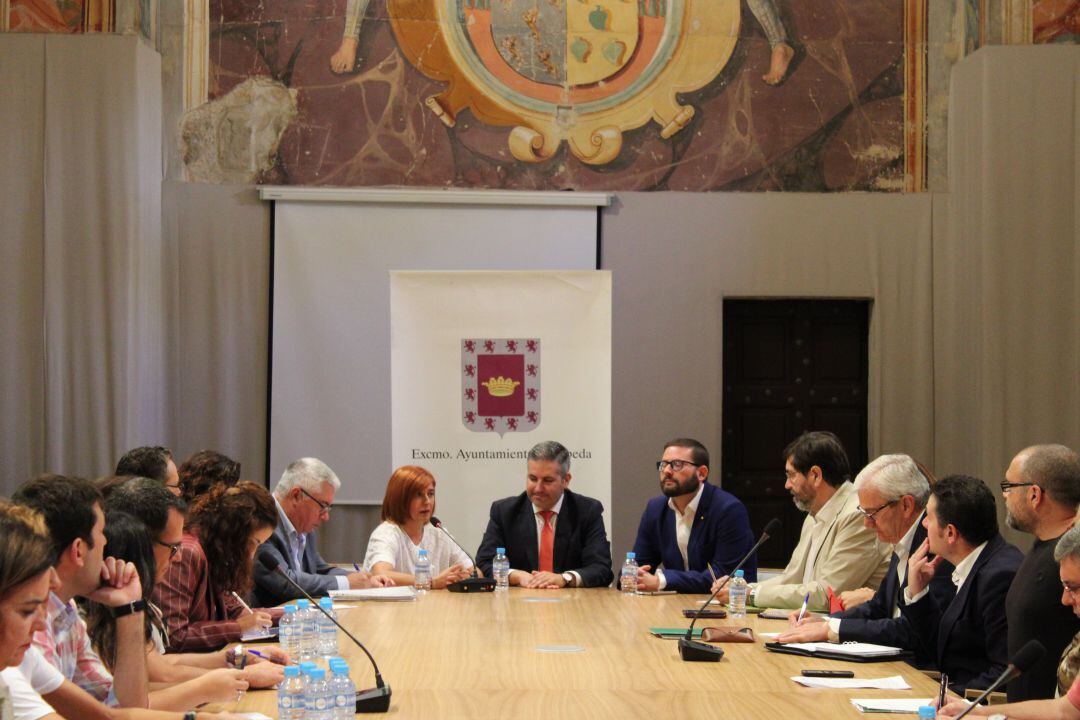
[{"x": 500, "y": 384}]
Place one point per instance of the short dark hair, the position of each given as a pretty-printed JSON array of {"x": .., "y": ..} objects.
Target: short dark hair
[
  {"x": 821, "y": 448},
  {"x": 551, "y": 451},
  {"x": 66, "y": 503},
  {"x": 147, "y": 461},
  {"x": 146, "y": 499},
  {"x": 1056, "y": 469},
  {"x": 698, "y": 453},
  {"x": 967, "y": 504}
]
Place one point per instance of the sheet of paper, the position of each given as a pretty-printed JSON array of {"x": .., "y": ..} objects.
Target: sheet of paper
[
  {"x": 768, "y": 636},
  {"x": 894, "y": 682},
  {"x": 398, "y": 593},
  {"x": 890, "y": 705},
  {"x": 849, "y": 648},
  {"x": 259, "y": 633}
]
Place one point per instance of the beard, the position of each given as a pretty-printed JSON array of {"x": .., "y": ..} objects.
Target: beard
[
  {"x": 683, "y": 487},
  {"x": 802, "y": 503},
  {"x": 1016, "y": 522}
]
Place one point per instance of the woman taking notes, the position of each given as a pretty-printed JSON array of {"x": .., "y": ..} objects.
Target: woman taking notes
[
  {"x": 224, "y": 529},
  {"x": 406, "y": 529}
]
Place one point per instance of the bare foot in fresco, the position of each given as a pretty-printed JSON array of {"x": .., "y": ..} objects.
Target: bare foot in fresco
[
  {"x": 344, "y": 60},
  {"x": 782, "y": 55}
]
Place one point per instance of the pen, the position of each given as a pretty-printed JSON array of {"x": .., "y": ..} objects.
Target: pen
[
  {"x": 711, "y": 573},
  {"x": 242, "y": 603},
  {"x": 256, "y": 653},
  {"x": 802, "y": 612},
  {"x": 356, "y": 567},
  {"x": 943, "y": 690}
]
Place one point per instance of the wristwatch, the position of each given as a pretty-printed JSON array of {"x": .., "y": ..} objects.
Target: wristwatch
[
  {"x": 190, "y": 715},
  {"x": 128, "y": 609},
  {"x": 568, "y": 578}
]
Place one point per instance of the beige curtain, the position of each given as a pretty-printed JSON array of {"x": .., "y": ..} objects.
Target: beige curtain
[{"x": 88, "y": 373}]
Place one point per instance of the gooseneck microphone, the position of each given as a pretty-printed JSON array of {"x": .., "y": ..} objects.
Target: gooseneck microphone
[
  {"x": 376, "y": 699},
  {"x": 469, "y": 584},
  {"x": 693, "y": 651},
  {"x": 1022, "y": 661}
]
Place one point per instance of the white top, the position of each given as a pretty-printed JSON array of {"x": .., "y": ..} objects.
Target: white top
[
  {"x": 684, "y": 524},
  {"x": 390, "y": 544},
  {"x": 28, "y": 682}
]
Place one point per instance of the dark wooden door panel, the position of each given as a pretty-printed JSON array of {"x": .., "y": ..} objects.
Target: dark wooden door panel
[{"x": 789, "y": 366}]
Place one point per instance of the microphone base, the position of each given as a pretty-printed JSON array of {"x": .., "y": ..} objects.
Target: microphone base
[
  {"x": 375, "y": 700},
  {"x": 694, "y": 651},
  {"x": 476, "y": 584}
]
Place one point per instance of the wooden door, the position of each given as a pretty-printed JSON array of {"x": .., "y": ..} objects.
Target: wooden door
[{"x": 789, "y": 366}]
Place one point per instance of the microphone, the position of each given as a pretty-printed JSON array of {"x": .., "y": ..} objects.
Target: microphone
[
  {"x": 376, "y": 699},
  {"x": 695, "y": 651},
  {"x": 469, "y": 584},
  {"x": 1022, "y": 661}
]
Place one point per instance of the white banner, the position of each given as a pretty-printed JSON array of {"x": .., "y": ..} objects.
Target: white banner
[{"x": 484, "y": 365}]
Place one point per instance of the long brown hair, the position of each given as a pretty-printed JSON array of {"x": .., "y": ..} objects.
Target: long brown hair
[{"x": 224, "y": 520}]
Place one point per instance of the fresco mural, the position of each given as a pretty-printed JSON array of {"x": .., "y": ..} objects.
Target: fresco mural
[
  {"x": 1056, "y": 21},
  {"x": 573, "y": 94},
  {"x": 46, "y": 16}
]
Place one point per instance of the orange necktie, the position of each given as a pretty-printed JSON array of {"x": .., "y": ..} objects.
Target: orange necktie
[{"x": 547, "y": 543}]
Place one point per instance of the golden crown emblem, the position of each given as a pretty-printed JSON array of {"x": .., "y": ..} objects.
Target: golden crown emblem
[{"x": 500, "y": 386}]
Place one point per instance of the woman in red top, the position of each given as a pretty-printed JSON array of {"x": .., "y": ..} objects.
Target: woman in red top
[{"x": 224, "y": 528}]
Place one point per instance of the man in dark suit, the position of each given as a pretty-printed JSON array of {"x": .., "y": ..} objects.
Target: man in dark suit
[
  {"x": 969, "y": 634},
  {"x": 304, "y": 496},
  {"x": 553, "y": 537},
  {"x": 892, "y": 498},
  {"x": 692, "y": 527}
]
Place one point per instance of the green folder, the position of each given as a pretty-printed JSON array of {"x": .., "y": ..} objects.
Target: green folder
[{"x": 673, "y": 633}]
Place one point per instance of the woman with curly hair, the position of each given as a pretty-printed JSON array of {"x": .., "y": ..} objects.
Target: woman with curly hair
[
  {"x": 213, "y": 561},
  {"x": 207, "y": 469}
]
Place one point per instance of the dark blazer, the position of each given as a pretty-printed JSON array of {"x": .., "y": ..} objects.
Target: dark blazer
[
  {"x": 969, "y": 633},
  {"x": 581, "y": 542},
  {"x": 720, "y": 537},
  {"x": 315, "y": 575},
  {"x": 873, "y": 621}
]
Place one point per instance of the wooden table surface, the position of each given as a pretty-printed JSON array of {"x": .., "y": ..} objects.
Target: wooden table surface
[{"x": 581, "y": 653}]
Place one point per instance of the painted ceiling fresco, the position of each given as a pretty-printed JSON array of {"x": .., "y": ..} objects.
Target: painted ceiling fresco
[{"x": 581, "y": 94}]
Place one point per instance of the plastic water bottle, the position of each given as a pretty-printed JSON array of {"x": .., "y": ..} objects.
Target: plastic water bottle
[
  {"x": 737, "y": 596},
  {"x": 306, "y": 623},
  {"x": 317, "y": 698},
  {"x": 422, "y": 573},
  {"x": 288, "y": 633},
  {"x": 291, "y": 700},
  {"x": 327, "y": 631},
  {"x": 628, "y": 576},
  {"x": 500, "y": 569},
  {"x": 343, "y": 689}
]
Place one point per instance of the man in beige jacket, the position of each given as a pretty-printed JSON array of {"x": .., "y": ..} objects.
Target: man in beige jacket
[{"x": 836, "y": 550}]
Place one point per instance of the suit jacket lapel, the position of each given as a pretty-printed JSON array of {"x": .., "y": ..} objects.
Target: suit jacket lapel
[
  {"x": 956, "y": 607},
  {"x": 564, "y": 528},
  {"x": 697, "y": 530},
  {"x": 916, "y": 540}
]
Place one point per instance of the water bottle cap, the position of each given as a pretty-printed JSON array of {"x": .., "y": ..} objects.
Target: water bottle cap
[
  {"x": 290, "y": 609},
  {"x": 423, "y": 553},
  {"x": 292, "y": 671},
  {"x": 500, "y": 551},
  {"x": 336, "y": 659},
  {"x": 317, "y": 674},
  {"x": 926, "y": 711},
  {"x": 738, "y": 573},
  {"x": 631, "y": 556},
  {"x": 307, "y": 666},
  {"x": 339, "y": 668},
  {"x": 326, "y": 603},
  {"x": 303, "y": 604}
]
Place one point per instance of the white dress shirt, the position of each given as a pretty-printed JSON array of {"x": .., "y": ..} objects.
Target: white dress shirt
[{"x": 684, "y": 524}]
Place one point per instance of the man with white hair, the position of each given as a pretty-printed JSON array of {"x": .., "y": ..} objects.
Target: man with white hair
[
  {"x": 304, "y": 496},
  {"x": 892, "y": 498}
]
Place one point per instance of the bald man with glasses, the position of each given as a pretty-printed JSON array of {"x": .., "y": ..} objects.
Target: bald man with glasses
[{"x": 892, "y": 495}]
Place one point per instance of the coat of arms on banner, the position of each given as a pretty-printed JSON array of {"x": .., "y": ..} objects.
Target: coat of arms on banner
[{"x": 500, "y": 384}]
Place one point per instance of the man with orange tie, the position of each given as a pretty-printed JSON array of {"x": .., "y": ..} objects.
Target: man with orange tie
[{"x": 554, "y": 538}]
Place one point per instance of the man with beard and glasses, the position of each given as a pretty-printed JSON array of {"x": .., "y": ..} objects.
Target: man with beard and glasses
[
  {"x": 1041, "y": 491},
  {"x": 692, "y": 527},
  {"x": 836, "y": 551}
]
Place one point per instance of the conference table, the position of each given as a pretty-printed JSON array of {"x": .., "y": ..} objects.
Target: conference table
[{"x": 578, "y": 653}]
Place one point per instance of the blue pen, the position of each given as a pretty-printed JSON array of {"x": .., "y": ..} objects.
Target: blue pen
[
  {"x": 802, "y": 612},
  {"x": 256, "y": 653},
  {"x": 357, "y": 567}
]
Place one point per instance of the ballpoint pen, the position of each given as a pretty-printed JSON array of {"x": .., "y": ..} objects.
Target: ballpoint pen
[
  {"x": 711, "y": 573},
  {"x": 802, "y": 611},
  {"x": 943, "y": 690}
]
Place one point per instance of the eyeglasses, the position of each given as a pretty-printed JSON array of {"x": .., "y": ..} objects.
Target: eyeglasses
[
  {"x": 675, "y": 465},
  {"x": 1073, "y": 590},
  {"x": 1007, "y": 486},
  {"x": 871, "y": 513},
  {"x": 173, "y": 547},
  {"x": 323, "y": 507}
]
